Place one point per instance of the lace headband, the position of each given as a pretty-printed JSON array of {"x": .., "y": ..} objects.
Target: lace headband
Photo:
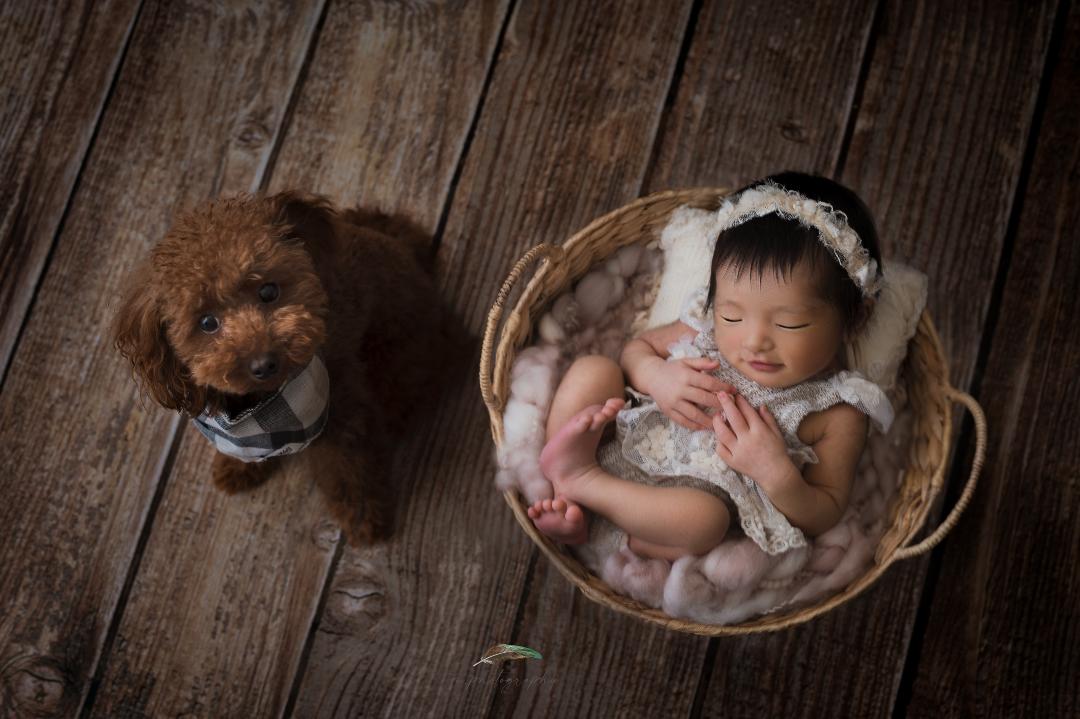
[{"x": 831, "y": 225}]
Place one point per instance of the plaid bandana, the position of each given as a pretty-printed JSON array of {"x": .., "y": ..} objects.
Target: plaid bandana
[{"x": 283, "y": 423}]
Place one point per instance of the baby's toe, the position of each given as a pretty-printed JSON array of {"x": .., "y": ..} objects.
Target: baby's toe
[
  {"x": 613, "y": 405},
  {"x": 602, "y": 417},
  {"x": 559, "y": 504},
  {"x": 582, "y": 422},
  {"x": 574, "y": 513}
]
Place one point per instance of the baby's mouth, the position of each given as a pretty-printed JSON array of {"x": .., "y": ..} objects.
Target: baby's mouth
[{"x": 764, "y": 366}]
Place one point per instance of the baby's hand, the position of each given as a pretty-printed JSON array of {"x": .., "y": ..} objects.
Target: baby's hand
[
  {"x": 680, "y": 386},
  {"x": 749, "y": 440}
]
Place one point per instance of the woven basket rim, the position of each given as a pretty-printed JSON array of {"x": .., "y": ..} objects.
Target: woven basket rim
[{"x": 552, "y": 277}]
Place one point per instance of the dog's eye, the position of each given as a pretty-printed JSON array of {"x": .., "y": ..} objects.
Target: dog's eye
[
  {"x": 268, "y": 292},
  {"x": 208, "y": 324}
]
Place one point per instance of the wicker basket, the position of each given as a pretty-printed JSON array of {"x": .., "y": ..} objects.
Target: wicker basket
[{"x": 925, "y": 375}]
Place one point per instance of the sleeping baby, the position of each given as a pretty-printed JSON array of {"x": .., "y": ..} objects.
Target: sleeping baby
[{"x": 741, "y": 410}]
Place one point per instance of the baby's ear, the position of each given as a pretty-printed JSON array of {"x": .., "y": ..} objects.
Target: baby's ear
[
  {"x": 310, "y": 219},
  {"x": 138, "y": 332}
]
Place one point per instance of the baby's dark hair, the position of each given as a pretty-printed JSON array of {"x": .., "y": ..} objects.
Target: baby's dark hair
[{"x": 780, "y": 244}]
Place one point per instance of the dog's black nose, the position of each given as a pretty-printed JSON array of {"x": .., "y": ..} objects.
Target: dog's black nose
[{"x": 263, "y": 366}]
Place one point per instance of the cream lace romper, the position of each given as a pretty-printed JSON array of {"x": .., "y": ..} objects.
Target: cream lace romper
[{"x": 650, "y": 448}]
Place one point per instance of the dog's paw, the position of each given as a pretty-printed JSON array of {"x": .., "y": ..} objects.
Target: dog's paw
[{"x": 232, "y": 475}]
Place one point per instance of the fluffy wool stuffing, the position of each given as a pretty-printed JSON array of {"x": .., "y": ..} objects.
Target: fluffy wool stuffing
[{"x": 736, "y": 580}]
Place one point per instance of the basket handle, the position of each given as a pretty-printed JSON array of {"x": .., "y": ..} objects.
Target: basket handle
[
  {"x": 969, "y": 488},
  {"x": 544, "y": 251}
]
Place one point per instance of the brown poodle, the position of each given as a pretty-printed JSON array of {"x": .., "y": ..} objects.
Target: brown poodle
[{"x": 275, "y": 320}]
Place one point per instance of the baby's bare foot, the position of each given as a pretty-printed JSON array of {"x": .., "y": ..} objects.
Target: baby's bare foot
[
  {"x": 570, "y": 455},
  {"x": 561, "y": 520}
]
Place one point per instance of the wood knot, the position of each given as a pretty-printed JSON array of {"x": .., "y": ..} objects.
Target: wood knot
[
  {"x": 794, "y": 131},
  {"x": 36, "y": 686},
  {"x": 359, "y": 598},
  {"x": 252, "y": 135},
  {"x": 324, "y": 535}
]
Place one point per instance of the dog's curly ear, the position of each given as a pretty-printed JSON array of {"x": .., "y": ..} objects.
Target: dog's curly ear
[
  {"x": 310, "y": 219},
  {"x": 138, "y": 333}
]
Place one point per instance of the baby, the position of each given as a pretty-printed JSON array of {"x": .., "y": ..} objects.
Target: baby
[{"x": 742, "y": 406}]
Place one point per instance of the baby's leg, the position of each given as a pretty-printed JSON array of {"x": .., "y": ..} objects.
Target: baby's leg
[
  {"x": 690, "y": 521},
  {"x": 592, "y": 380},
  {"x": 683, "y": 519},
  {"x": 653, "y": 550},
  {"x": 679, "y": 517}
]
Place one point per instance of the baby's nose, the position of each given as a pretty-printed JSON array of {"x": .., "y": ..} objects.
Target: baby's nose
[
  {"x": 263, "y": 366},
  {"x": 757, "y": 341}
]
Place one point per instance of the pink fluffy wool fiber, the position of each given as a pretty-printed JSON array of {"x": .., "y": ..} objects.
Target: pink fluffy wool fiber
[{"x": 736, "y": 580}]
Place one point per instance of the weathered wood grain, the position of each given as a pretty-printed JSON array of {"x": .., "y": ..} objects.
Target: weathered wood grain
[
  {"x": 596, "y": 662},
  {"x": 936, "y": 154},
  {"x": 766, "y": 87},
  {"x": 722, "y": 129},
  {"x": 82, "y": 457},
  {"x": 57, "y": 61},
  {"x": 564, "y": 135},
  {"x": 944, "y": 121},
  {"x": 223, "y": 600},
  {"x": 228, "y": 587},
  {"x": 385, "y": 112},
  {"x": 1005, "y": 622}
]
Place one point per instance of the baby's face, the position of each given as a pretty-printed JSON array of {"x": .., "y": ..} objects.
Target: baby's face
[{"x": 774, "y": 331}]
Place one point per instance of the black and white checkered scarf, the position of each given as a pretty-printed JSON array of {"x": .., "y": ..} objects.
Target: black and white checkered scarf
[{"x": 284, "y": 423}]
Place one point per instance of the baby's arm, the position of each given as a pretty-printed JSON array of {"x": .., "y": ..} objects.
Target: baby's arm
[
  {"x": 750, "y": 442},
  {"x": 679, "y": 388},
  {"x": 816, "y": 502}
]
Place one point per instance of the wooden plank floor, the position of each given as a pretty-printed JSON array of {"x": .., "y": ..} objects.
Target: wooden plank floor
[{"x": 129, "y": 587}]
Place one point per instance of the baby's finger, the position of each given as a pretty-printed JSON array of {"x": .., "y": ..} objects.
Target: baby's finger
[
  {"x": 700, "y": 363},
  {"x": 726, "y": 441},
  {"x": 712, "y": 384},
  {"x": 724, "y": 435},
  {"x": 731, "y": 412},
  {"x": 694, "y": 414},
  {"x": 769, "y": 419},
  {"x": 678, "y": 418},
  {"x": 702, "y": 398},
  {"x": 749, "y": 413}
]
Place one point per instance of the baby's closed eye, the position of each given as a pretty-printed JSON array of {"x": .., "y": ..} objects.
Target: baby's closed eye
[{"x": 781, "y": 325}]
